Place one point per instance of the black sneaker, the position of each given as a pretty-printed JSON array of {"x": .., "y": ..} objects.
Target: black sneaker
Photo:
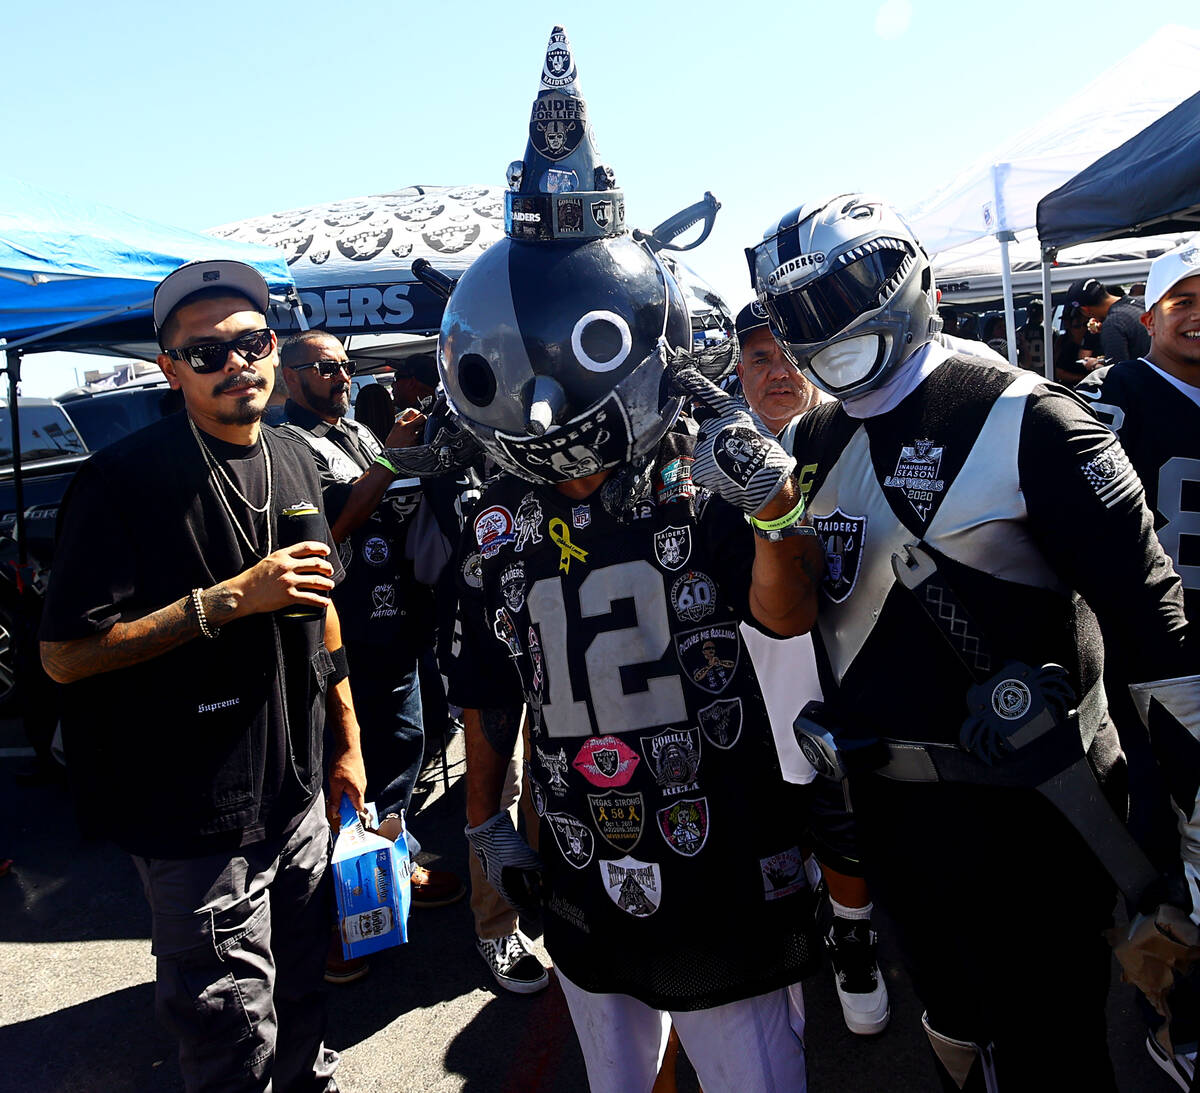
[
  {"x": 861, "y": 989},
  {"x": 516, "y": 969}
]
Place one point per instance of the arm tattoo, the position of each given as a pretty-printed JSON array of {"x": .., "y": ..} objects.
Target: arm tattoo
[
  {"x": 128, "y": 643},
  {"x": 501, "y": 726}
]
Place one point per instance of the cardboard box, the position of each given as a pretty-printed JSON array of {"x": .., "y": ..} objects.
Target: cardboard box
[{"x": 371, "y": 876}]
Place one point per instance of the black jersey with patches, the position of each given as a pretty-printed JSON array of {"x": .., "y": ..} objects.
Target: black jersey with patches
[
  {"x": 1033, "y": 514},
  {"x": 668, "y": 834},
  {"x": 1159, "y": 427}
]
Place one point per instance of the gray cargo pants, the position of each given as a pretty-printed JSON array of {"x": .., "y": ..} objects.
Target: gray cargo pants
[{"x": 241, "y": 939}]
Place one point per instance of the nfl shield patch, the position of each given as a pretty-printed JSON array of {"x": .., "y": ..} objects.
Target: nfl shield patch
[{"x": 685, "y": 825}]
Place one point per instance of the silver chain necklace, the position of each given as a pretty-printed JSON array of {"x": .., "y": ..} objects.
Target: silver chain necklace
[{"x": 216, "y": 473}]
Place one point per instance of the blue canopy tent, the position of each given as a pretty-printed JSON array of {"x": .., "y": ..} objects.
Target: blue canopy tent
[{"x": 78, "y": 274}]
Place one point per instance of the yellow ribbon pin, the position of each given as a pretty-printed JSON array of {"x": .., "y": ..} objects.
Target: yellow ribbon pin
[{"x": 562, "y": 539}]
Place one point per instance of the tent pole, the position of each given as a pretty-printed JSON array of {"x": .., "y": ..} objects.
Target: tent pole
[
  {"x": 1048, "y": 256},
  {"x": 1006, "y": 237},
  {"x": 13, "y": 368}
]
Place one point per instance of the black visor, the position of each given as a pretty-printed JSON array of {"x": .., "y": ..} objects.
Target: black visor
[{"x": 823, "y": 308}]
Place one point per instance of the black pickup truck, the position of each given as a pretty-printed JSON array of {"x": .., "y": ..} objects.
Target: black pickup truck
[{"x": 57, "y": 437}]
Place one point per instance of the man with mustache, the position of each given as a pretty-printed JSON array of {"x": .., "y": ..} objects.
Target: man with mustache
[
  {"x": 195, "y": 712},
  {"x": 387, "y": 615}
]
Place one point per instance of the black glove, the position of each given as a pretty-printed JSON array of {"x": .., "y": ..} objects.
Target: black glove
[
  {"x": 511, "y": 867},
  {"x": 737, "y": 457}
]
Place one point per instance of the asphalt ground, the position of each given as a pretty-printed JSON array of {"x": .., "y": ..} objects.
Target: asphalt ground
[{"x": 77, "y": 992}]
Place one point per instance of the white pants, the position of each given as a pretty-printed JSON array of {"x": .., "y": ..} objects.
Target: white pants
[{"x": 752, "y": 1046}]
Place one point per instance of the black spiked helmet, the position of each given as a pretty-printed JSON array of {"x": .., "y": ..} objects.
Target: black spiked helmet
[{"x": 554, "y": 342}]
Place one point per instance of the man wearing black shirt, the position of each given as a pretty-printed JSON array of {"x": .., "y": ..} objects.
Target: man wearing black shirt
[
  {"x": 196, "y": 706},
  {"x": 386, "y": 615},
  {"x": 1122, "y": 335}
]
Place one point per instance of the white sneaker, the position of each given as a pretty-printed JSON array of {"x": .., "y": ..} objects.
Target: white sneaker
[
  {"x": 1179, "y": 1067},
  {"x": 861, "y": 989},
  {"x": 516, "y": 969}
]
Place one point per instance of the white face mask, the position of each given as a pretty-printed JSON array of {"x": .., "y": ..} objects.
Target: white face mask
[{"x": 842, "y": 365}]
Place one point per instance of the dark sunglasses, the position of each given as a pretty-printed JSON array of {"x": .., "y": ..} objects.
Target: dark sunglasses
[
  {"x": 328, "y": 369},
  {"x": 211, "y": 356}
]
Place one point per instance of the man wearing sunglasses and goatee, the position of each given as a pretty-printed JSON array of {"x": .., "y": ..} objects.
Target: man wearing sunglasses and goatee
[
  {"x": 197, "y": 699},
  {"x": 386, "y": 615}
]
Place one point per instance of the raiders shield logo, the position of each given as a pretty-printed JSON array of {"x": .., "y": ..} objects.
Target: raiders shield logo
[
  {"x": 634, "y": 886},
  {"x": 618, "y": 817},
  {"x": 673, "y": 547},
  {"x": 709, "y": 656},
  {"x": 512, "y": 585},
  {"x": 674, "y": 756},
  {"x": 739, "y": 452},
  {"x": 602, "y": 212},
  {"x": 575, "y": 840},
  {"x": 606, "y": 761},
  {"x": 557, "y": 125},
  {"x": 842, "y": 537},
  {"x": 721, "y": 722},
  {"x": 684, "y": 825}
]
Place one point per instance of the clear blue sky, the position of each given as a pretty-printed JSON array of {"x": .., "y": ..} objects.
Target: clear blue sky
[{"x": 202, "y": 113}]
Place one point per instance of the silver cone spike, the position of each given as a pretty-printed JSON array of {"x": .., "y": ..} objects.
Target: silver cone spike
[
  {"x": 546, "y": 405},
  {"x": 562, "y": 192}
]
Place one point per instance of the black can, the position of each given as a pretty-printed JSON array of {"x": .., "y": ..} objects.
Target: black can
[{"x": 298, "y": 524}]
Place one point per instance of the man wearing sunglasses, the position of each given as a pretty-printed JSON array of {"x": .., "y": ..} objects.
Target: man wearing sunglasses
[
  {"x": 195, "y": 711},
  {"x": 386, "y": 614}
]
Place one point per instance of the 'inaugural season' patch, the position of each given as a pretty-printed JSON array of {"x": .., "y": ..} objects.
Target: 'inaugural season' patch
[
  {"x": 574, "y": 838},
  {"x": 634, "y": 886},
  {"x": 842, "y": 537},
  {"x": 783, "y": 874},
  {"x": 709, "y": 656},
  {"x": 684, "y": 825},
  {"x": 694, "y": 596},
  {"x": 673, "y": 546},
  {"x": 618, "y": 817},
  {"x": 606, "y": 761},
  {"x": 674, "y": 757},
  {"x": 721, "y": 722},
  {"x": 493, "y": 529},
  {"x": 916, "y": 475}
]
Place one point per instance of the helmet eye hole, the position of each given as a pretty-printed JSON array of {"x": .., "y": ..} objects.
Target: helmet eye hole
[
  {"x": 476, "y": 379},
  {"x": 601, "y": 341}
]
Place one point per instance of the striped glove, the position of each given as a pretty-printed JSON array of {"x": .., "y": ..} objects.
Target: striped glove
[
  {"x": 509, "y": 864},
  {"x": 737, "y": 457}
]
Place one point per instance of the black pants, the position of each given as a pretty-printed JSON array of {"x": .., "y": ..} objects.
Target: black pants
[{"x": 1000, "y": 907}]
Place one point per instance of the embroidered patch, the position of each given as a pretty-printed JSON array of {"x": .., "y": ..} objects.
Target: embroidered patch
[
  {"x": 634, "y": 886},
  {"x": 527, "y": 524},
  {"x": 684, "y": 825},
  {"x": 581, "y": 516},
  {"x": 383, "y": 602},
  {"x": 506, "y": 632},
  {"x": 534, "y": 645},
  {"x": 537, "y": 792},
  {"x": 694, "y": 596},
  {"x": 512, "y": 585},
  {"x": 1111, "y": 475},
  {"x": 555, "y": 767},
  {"x": 375, "y": 550},
  {"x": 673, "y": 546},
  {"x": 674, "y": 757},
  {"x": 606, "y": 761},
  {"x": 842, "y": 537},
  {"x": 472, "y": 570},
  {"x": 721, "y": 722},
  {"x": 575, "y": 839},
  {"x": 618, "y": 817},
  {"x": 709, "y": 656},
  {"x": 783, "y": 874},
  {"x": 676, "y": 481},
  {"x": 916, "y": 475},
  {"x": 493, "y": 529}
]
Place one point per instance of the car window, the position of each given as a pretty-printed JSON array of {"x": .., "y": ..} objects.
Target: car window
[
  {"x": 103, "y": 419},
  {"x": 46, "y": 433}
]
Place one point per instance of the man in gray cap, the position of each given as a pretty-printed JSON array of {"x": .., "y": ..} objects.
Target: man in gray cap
[{"x": 194, "y": 628}]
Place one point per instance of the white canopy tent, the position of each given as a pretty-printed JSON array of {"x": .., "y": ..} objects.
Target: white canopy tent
[{"x": 997, "y": 195}]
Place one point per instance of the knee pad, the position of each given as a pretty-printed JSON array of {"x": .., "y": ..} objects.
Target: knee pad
[{"x": 969, "y": 1066}]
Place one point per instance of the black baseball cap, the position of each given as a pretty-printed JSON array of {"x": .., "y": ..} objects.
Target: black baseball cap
[
  {"x": 1086, "y": 292},
  {"x": 421, "y": 366},
  {"x": 751, "y": 318}
]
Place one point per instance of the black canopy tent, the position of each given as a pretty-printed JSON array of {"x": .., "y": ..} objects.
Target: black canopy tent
[{"x": 1150, "y": 185}]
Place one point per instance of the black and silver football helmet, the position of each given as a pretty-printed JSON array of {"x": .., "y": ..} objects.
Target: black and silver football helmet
[
  {"x": 848, "y": 291},
  {"x": 555, "y": 342}
]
